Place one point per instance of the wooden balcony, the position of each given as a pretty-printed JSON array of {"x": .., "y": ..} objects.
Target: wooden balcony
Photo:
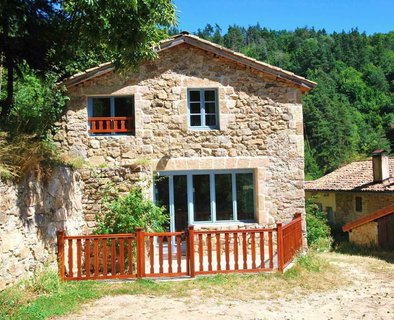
[{"x": 111, "y": 125}]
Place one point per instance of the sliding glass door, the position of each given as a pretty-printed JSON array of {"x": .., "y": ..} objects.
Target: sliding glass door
[{"x": 195, "y": 197}]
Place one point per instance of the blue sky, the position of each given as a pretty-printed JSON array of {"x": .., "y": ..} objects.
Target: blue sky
[{"x": 370, "y": 16}]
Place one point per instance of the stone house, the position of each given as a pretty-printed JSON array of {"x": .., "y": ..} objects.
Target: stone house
[
  {"x": 355, "y": 190},
  {"x": 223, "y": 131},
  {"x": 376, "y": 228}
]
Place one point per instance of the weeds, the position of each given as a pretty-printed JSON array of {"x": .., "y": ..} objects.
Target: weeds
[
  {"x": 45, "y": 296},
  {"x": 75, "y": 162},
  {"x": 20, "y": 154}
]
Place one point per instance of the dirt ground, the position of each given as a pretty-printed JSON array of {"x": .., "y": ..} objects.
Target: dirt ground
[{"x": 370, "y": 295}]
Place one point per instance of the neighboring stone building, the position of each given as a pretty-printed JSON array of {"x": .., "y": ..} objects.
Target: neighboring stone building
[
  {"x": 223, "y": 130},
  {"x": 355, "y": 190},
  {"x": 376, "y": 229}
]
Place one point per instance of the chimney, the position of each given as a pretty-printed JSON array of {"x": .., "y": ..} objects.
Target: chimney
[{"x": 380, "y": 165}]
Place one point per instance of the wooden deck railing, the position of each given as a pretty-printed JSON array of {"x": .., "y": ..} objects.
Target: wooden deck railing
[
  {"x": 290, "y": 241},
  {"x": 232, "y": 250},
  {"x": 96, "y": 256},
  {"x": 164, "y": 254},
  {"x": 188, "y": 253},
  {"x": 111, "y": 125}
]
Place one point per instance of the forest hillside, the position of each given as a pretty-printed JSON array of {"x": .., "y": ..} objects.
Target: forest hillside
[{"x": 351, "y": 111}]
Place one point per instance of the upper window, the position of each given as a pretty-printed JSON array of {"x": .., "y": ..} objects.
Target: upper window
[
  {"x": 111, "y": 115},
  {"x": 203, "y": 108}
]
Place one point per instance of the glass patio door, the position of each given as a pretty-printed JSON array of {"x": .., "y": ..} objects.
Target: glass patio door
[
  {"x": 171, "y": 192},
  {"x": 199, "y": 197}
]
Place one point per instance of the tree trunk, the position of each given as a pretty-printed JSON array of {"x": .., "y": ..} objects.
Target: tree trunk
[{"x": 6, "y": 103}]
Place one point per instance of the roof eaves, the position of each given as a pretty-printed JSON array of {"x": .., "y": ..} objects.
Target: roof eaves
[
  {"x": 241, "y": 58},
  {"x": 173, "y": 41},
  {"x": 88, "y": 74}
]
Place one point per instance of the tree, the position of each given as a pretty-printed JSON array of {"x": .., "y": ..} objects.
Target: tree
[{"x": 48, "y": 34}]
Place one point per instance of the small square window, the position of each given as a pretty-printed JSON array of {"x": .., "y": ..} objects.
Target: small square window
[
  {"x": 359, "y": 204},
  {"x": 203, "y": 108}
]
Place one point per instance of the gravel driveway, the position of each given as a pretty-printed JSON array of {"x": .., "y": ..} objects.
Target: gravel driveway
[{"x": 370, "y": 295}]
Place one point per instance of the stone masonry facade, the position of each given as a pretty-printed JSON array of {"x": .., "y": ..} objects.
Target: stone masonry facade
[
  {"x": 31, "y": 213},
  {"x": 261, "y": 125},
  {"x": 345, "y": 205},
  {"x": 366, "y": 234}
]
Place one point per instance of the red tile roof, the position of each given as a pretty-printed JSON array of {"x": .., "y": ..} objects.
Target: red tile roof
[
  {"x": 356, "y": 176},
  {"x": 368, "y": 218}
]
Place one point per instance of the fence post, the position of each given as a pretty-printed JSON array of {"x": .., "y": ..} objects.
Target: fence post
[
  {"x": 60, "y": 244},
  {"x": 280, "y": 246},
  {"x": 299, "y": 235},
  {"x": 191, "y": 251},
  {"x": 140, "y": 239}
]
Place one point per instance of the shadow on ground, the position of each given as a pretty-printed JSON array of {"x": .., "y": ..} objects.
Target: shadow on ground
[{"x": 365, "y": 251}]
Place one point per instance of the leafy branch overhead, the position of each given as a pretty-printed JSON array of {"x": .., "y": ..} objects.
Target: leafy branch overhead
[{"x": 65, "y": 36}]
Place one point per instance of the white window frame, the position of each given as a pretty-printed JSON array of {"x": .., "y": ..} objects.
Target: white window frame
[
  {"x": 211, "y": 173},
  {"x": 202, "y": 113}
]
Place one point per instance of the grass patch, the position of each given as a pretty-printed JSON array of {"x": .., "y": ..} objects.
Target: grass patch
[
  {"x": 21, "y": 153},
  {"x": 45, "y": 296}
]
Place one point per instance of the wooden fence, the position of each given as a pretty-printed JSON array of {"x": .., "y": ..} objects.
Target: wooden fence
[{"x": 170, "y": 254}]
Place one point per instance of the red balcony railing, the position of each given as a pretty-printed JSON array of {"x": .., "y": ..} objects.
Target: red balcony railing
[{"x": 99, "y": 125}]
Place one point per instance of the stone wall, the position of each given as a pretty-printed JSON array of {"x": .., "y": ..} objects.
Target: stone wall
[
  {"x": 33, "y": 211},
  {"x": 100, "y": 180},
  {"x": 345, "y": 204},
  {"x": 366, "y": 234},
  {"x": 30, "y": 215},
  {"x": 261, "y": 125}
]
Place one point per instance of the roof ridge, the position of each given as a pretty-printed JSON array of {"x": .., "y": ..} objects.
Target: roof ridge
[
  {"x": 164, "y": 44},
  {"x": 243, "y": 56}
]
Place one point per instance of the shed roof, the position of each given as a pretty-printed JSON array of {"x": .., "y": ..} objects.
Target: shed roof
[
  {"x": 303, "y": 83},
  {"x": 356, "y": 176},
  {"x": 368, "y": 218}
]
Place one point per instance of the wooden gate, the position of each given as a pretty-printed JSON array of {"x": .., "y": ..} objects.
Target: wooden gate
[{"x": 174, "y": 254}]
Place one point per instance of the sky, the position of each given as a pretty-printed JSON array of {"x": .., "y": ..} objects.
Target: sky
[{"x": 371, "y": 16}]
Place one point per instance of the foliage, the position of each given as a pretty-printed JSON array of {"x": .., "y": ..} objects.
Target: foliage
[
  {"x": 350, "y": 112},
  {"x": 305, "y": 263},
  {"x": 125, "y": 213},
  {"x": 21, "y": 153},
  {"x": 43, "y": 296},
  {"x": 317, "y": 228},
  {"x": 38, "y": 104},
  {"x": 65, "y": 35}
]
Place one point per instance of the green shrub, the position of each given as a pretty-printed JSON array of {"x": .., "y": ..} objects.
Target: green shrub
[
  {"x": 39, "y": 102},
  {"x": 125, "y": 213},
  {"x": 317, "y": 228}
]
